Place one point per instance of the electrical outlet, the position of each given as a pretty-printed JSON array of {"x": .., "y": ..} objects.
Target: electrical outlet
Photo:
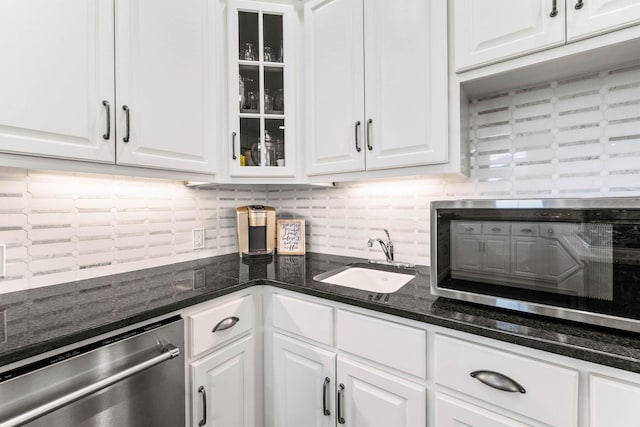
[
  {"x": 198, "y": 238},
  {"x": 3, "y": 260}
]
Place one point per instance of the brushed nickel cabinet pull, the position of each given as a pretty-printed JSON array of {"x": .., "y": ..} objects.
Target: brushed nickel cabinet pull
[
  {"x": 227, "y": 323},
  {"x": 325, "y": 397},
  {"x": 554, "y": 9},
  {"x": 203, "y": 393},
  {"x": 233, "y": 145},
  {"x": 358, "y": 148},
  {"x": 369, "y": 145},
  {"x": 127, "y": 120},
  {"x": 340, "y": 403},
  {"x": 579, "y": 5},
  {"x": 107, "y": 107},
  {"x": 498, "y": 381}
]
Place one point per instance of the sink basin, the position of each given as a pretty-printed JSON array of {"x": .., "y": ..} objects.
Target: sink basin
[{"x": 366, "y": 279}]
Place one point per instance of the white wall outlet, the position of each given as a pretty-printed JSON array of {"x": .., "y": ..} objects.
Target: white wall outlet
[
  {"x": 3, "y": 260},
  {"x": 198, "y": 238}
]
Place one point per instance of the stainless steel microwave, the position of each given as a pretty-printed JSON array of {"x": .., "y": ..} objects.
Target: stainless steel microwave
[{"x": 576, "y": 259}]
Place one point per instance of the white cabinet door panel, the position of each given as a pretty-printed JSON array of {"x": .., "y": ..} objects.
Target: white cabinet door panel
[
  {"x": 57, "y": 69},
  {"x": 599, "y": 16},
  {"x": 466, "y": 252},
  {"x": 525, "y": 257},
  {"x": 613, "y": 403},
  {"x": 495, "y": 254},
  {"x": 300, "y": 373},
  {"x": 451, "y": 412},
  {"x": 404, "y": 84},
  {"x": 164, "y": 77},
  {"x": 335, "y": 86},
  {"x": 490, "y": 30},
  {"x": 227, "y": 378},
  {"x": 371, "y": 398}
]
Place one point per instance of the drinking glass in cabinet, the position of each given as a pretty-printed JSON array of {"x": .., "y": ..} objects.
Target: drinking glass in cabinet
[
  {"x": 272, "y": 36},
  {"x": 250, "y": 142},
  {"x": 249, "y": 89},
  {"x": 273, "y": 84},
  {"x": 248, "y": 36}
]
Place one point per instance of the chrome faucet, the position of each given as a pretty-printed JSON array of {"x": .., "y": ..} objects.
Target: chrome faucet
[{"x": 387, "y": 247}]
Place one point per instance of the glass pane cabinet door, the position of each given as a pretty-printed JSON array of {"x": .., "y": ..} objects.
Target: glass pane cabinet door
[{"x": 260, "y": 69}]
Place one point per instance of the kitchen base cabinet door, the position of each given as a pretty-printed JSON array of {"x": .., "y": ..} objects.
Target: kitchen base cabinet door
[
  {"x": 303, "y": 384},
  {"x": 613, "y": 403},
  {"x": 451, "y": 412},
  {"x": 368, "y": 397},
  {"x": 223, "y": 387},
  {"x": 165, "y": 75},
  {"x": 56, "y": 79}
]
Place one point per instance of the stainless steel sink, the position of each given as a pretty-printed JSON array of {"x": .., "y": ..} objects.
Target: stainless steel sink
[{"x": 367, "y": 279}]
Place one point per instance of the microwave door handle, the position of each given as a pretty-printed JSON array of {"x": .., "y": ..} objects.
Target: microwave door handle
[{"x": 169, "y": 352}]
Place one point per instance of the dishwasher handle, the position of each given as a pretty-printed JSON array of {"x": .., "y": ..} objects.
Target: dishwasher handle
[{"x": 168, "y": 352}]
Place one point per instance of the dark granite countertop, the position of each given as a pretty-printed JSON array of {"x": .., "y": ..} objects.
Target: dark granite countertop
[{"x": 43, "y": 319}]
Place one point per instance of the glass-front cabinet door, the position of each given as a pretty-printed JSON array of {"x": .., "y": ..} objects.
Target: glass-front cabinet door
[{"x": 260, "y": 89}]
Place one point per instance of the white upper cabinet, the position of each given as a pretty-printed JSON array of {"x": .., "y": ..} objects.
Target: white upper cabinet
[
  {"x": 334, "y": 68},
  {"x": 376, "y": 101},
  {"x": 56, "y": 78},
  {"x": 164, "y": 79},
  {"x": 490, "y": 30},
  {"x": 587, "y": 18},
  {"x": 261, "y": 67}
]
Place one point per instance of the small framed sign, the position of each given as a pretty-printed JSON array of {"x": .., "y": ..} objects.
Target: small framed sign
[{"x": 290, "y": 236}]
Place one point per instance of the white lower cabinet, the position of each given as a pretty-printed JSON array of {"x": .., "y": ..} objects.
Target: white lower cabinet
[
  {"x": 368, "y": 397},
  {"x": 303, "y": 384},
  {"x": 613, "y": 402},
  {"x": 451, "y": 412},
  {"x": 223, "y": 386}
]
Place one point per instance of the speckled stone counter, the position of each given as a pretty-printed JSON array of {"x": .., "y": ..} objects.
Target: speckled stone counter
[{"x": 43, "y": 319}]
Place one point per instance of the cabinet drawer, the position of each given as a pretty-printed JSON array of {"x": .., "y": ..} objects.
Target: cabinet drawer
[
  {"x": 305, "y": 318},
  {"x": 551, "y": 392},
  {"x": 468, "y": 227},
  {"x": 496, "y": 228},
  {"x": 524, "y": 229},
  {"x": 202, "y": 324},
  {"x": 397, "y": 346}
]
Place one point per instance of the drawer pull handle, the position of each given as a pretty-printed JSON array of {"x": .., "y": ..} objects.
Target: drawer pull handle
[
  {"x": 203, "y": 393},
  {"x": 227, "y": 323},
  {"x": 325, "y": 397},
  {"x": 468, "y": 228},
  {"x": 554, "y": 9},
  {"x": 496, "y": 229},
  {"x": 527, "y": 230},
  {"x": 341, "y": 419},
  {"x": 498, "y": 381}
]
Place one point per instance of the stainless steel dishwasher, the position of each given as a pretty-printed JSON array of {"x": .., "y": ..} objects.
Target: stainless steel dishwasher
[{"x": 134, "y": 378}]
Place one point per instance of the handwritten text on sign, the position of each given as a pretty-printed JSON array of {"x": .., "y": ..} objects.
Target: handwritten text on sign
[{"x": 291, "y": 236}]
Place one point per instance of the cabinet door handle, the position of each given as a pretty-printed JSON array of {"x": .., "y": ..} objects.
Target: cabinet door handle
[
  {"x": 579, "y": 5},
  {"x": 203, "y": 393},
  {"x": 468, "y": 228},
  {"x": 369, "y": 145},
  {"x": 479, "y": 246},
  {"x": 554, "y": 9},
  {"x": 233, "y": 145},
  {"x": 526, "y": 230},
  {"x": 325, "y": 396},
  {"x": 340, "y": 402},
  {"x": 107, "y": 109},
  {"x": 227, "y": 323},
  {"x": 358, "y": 148},
  {"x": 496, "y": 229},
  {"x": 127, "y": 122},
  {"x": 498, "y": 381}
]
